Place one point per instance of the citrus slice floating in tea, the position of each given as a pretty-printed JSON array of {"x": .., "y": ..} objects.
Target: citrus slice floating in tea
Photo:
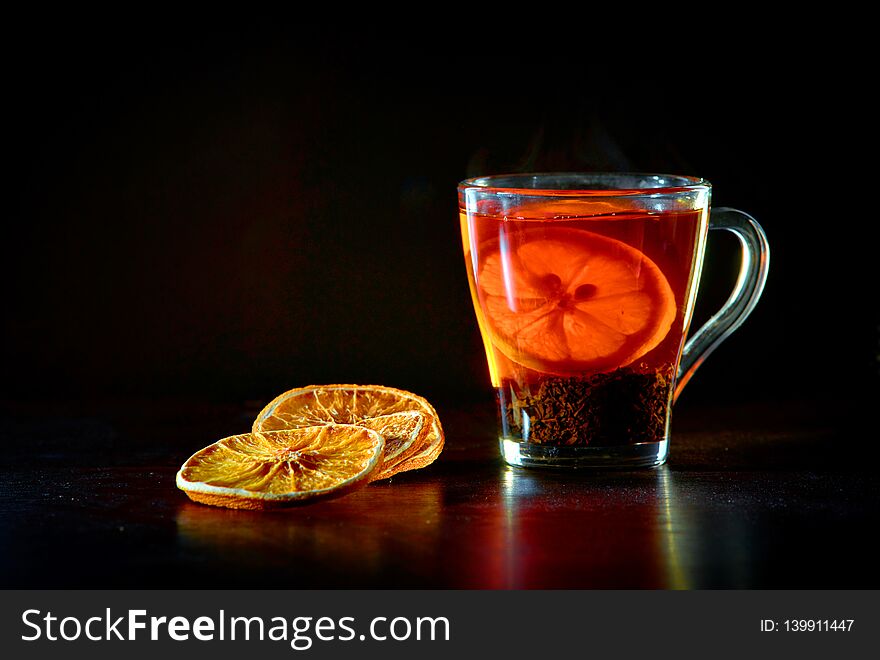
[
  {"x": 564, "y": 300},
  {"x": 280, "y": 468},
  {"x": 412, "y": 431}
]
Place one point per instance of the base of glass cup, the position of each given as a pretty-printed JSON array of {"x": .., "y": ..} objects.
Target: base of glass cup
[{"x": 644, "y": 455}]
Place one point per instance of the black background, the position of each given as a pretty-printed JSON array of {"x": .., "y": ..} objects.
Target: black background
[{"x": 226, "y": 215}]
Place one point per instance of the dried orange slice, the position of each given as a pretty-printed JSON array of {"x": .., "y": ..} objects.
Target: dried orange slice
[
  {"x": 565, "y": 300},
  {"x": 405, "y": 435},
  {"x": 412, "y": 431},
  {"x": 278, "y": 468}
]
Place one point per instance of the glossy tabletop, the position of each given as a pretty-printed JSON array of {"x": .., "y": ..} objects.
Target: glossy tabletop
[{"x": 754, "y": 496}]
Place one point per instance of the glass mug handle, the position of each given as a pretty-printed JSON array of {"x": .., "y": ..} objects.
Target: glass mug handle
[{"x": 749, "y": 285}]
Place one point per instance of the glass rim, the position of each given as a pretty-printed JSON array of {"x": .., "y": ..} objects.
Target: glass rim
[{"x": 666, "y": 184}]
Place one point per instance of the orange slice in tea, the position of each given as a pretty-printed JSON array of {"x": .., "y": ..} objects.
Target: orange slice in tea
[
  {"x": 280, "y": 468},
  {"x": 412, "y": 431},
  {"x": 565, "y": 300}
]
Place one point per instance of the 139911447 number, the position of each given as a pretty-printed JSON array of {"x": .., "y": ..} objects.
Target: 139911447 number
[{"x": 818, "y": 625}]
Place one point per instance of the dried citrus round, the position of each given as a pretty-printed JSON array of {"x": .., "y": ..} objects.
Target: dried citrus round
[
  {"x": 412, "y": 431},
  {"x": 263, "y": 470},
  {"x": 564, "y": 300}
]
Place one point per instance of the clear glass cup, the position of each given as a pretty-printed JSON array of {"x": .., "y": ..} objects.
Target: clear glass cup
[{"x": 584, "y": 287}]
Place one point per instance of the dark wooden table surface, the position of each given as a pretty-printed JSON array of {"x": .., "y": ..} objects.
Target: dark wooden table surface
[{"x": 754, "y": 496}]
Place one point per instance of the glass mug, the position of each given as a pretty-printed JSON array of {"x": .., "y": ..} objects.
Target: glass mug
[{"x": 584, "y": 287}]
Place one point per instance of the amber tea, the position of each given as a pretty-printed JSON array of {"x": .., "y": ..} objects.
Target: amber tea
[{"x": 583, "y": 311}]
